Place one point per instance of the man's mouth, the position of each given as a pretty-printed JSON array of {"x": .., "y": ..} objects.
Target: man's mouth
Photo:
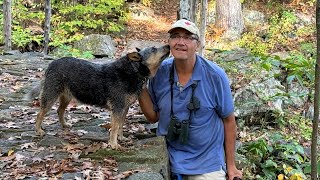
[{"x": 179, "y": 49}]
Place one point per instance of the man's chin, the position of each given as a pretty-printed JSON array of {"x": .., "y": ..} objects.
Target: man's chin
[{"x": 180, "y": 56}]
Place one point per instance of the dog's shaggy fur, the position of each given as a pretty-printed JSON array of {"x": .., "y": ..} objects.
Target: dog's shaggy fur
[{"x": 114, "y": 86}]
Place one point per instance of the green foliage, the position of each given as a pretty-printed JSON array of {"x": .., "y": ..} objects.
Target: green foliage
[
  {"x": 278, "y": 34},
  {"x": 281, "y": 27},
  {"x": 65, "y": 51},
  {"x": 95, "y": 15},
  {"x": 21, "y": 37},
  {"x": 300, "y": 126},
  {"x": 146, "y": 2},
  {"x": 275, "y": 155},
  {"x": 306, "y": 31},
  {"x": 103, "y": 16},
  {"x": 307, "y": 169},
  {"x": 298, "y": 67},
  {"x": 69, "y": 21},
  {"x": 255, "y": 44},
  {"x": 308, "y": 48},
  {"x": 301, "y": 69}
]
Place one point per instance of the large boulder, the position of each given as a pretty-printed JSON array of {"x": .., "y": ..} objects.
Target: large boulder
[
  {"x": 99, "y": 45},
  {"x": 258, "y": 97},
  {"x": 257, "y": 93},
  {"x": 253, "y": 18}
]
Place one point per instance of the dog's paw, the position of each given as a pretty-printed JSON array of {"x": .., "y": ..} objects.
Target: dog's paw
[
  {"x": 40, "y": 132},
  {"x": 66, "y": 125},
  {"x": 115, "y": 146}
]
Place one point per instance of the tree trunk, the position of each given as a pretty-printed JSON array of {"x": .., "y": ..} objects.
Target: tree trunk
[
  {"x": 315, "y": 125},
  {"x": 47, "y": 26},
  {"x": 185, "y": 10},
  {"x": 7, "y": 18},
  {"x": 229, "y": 18},
  {"x": 195, "y": 10},
  {"x": 203, "y": 15}
]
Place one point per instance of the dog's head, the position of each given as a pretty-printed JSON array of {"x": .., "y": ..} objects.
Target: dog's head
[{"x": 150, "y": 57}]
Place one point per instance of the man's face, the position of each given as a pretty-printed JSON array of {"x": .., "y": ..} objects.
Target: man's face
[{"x": 183, "y": 44}]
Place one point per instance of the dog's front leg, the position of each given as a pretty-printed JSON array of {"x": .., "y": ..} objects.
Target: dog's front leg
[
  {"x": 122, "y": 119},
  {"x": 115, "y": 125}
]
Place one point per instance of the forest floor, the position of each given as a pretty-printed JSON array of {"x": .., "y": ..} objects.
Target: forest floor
[
  {"x": 156, "y": 28},
  {"x": 59, "y": 154}
]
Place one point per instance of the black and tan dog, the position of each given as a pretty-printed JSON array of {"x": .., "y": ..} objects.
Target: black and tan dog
[{"x": 114, "y": 86}]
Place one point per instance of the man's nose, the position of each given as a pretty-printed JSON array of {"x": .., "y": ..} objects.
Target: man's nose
[{"x": 181, "y": 39}]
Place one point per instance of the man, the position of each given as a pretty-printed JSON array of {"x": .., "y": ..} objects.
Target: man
[{"x": 191, "y": 100}]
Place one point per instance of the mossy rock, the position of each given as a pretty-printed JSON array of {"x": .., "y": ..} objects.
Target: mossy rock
[{"x": 148, "y": 154}]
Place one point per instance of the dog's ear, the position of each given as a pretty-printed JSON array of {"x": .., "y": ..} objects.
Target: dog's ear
[
  {"x": 138, "y": 49},
  {"x": 134, "y": 56}
]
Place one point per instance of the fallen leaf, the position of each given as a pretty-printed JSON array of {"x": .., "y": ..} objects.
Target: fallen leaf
[
  {"x": 10, "y": 152},
  {"x": 72, "y": 147},
  {"x": 87, "y": 165},
  {"x": 8, "y": 158},
  {"x": 106, "y": 125},
  {"x": 93, "y": 148},
  {"x": 110, "y": 162},
  {"x": 31, "y": 145},
  {"x": 49, "y": 157},
  {"x": 81, "y": 132},
  {"x": 20, "y": 157},
  {"x": 75, "y": 155},
  {"x": 11, "y": 125},
  {"x": 37, "y": 159}
]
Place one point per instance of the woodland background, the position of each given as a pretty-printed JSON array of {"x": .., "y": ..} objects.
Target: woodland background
[{"x": 272, "y": 146}]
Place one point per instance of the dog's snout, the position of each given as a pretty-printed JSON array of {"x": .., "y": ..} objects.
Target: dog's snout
[{"x": 167, "y": 47}]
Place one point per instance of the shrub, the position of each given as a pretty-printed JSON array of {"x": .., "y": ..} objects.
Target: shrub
[
  {"x": 70, "y": 21},
  {"x": 278, "y": 35}
]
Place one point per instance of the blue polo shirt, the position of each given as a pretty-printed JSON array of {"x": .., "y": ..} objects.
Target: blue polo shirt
[{"x": 204, "y": 152}]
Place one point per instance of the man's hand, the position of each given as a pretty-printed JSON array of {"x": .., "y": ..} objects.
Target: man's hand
[{"x": 234, "y": 174}]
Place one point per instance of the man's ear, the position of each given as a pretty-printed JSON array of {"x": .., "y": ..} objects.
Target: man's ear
[
  {"x": 138, "y": 50},
  {"x": 134, "y": 56},
  {"x": 198, "y": 45}
]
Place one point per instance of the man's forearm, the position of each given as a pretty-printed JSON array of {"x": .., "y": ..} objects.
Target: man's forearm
[
  {"x": 230, "y": 129},
  {"x": 146, "y": 106}
]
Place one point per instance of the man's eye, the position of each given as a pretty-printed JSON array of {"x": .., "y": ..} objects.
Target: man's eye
[
  {"x": 174, "y": 36},
  {"x": 185, "y": 38}
]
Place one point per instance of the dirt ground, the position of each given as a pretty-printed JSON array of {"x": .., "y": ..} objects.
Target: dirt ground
[{"x": 156, "y": 28}]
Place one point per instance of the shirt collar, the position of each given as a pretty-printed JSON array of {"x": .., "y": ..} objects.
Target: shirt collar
[{"x": 197, "y": 70}]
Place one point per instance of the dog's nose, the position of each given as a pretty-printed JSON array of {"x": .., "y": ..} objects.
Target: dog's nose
[{"x": 166, "y": 48}]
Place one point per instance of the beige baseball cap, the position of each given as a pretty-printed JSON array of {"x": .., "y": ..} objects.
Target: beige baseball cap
[{"x": 187, "y": 25}]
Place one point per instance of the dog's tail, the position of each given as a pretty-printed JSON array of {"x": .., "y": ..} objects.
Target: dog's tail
[{"x": 34, "y": 92}]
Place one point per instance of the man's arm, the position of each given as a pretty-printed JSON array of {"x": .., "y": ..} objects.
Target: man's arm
[
  {"x": 230, "y": 129},
  {"x": 146, "y": 106}
]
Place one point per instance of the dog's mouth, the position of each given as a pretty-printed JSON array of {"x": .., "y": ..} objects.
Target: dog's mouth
[{"x": 165, "y": 56}]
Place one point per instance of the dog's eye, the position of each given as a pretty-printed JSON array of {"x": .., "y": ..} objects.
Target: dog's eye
[{"x": 154, "y": 49}]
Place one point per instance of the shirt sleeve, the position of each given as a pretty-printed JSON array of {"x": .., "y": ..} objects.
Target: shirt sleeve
[{"x": 223, "y": 95}]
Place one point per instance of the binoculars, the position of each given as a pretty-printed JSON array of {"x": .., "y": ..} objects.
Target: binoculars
[{"x": 178, "y": 130}]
